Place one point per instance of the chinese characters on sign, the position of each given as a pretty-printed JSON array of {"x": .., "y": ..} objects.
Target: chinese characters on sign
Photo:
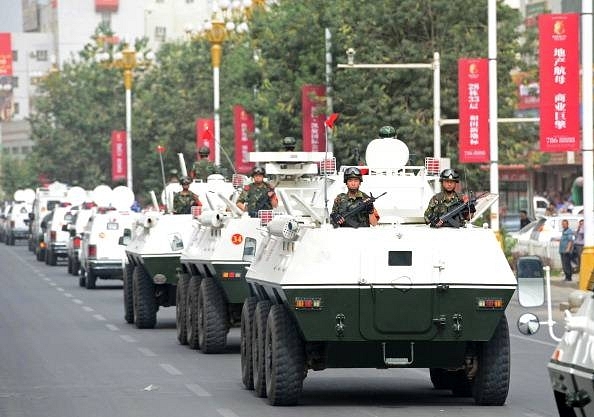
[
  {"x": 205, "y": 135},
  {"x": 119, "y": 169},
  {"x": 559, "y": 82},
  {"x": 314, "y": 130},
  {"x": 473, "y": 104},
  {"x": 243, "y": 124}
]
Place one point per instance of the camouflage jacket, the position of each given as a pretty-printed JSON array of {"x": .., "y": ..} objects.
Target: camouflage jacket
[
  {"x": 183, "y": 202},
  {"x": 343, "y": 203},
  {"x": 256, "y": 198},
  {"x": 440, "y": 205},
  {"x": 202, "y": 169}
]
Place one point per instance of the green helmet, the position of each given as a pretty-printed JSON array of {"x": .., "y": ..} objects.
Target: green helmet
[
  {"x": 387, "y": 132},
  {"x": 352, "y": 172},
  {"x": 204, "y": 151},
  {"x": 449, "y": 174},
  {"x": 185, "y": 180},
  {"x": 258, "y": 170},
  {"x": 289, "y": 143}
]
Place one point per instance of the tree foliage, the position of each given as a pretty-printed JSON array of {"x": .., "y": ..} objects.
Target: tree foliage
[{"x": 82, "y": 104}]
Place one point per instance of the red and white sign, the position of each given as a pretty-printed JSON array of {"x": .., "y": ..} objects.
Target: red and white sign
[
  {"x": 205, "y": 136},
  {"x": 118, "y": 155},
  {"x": 313, "y": 99},
  {"x": 559, "y": 82},
  {"x": 473, "y": 105},
  {"x": 243, "y": 124},
  {"x": 5, "y": 55}
]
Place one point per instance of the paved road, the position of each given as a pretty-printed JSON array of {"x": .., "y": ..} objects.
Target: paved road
[{"x": 66, "y": 351}]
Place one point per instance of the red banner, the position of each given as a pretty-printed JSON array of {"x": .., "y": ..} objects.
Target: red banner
[
  {"x": 473, "y": 107},
  {"x": 205, "y": 136},
  {"x": 106, "y": 5},
  {"x": 243, "y": 125},
  {"x": 5, "y": 55},
  {"x": 559, "y": 82},
  {"x": 118, "y": 155},
  {"x": 313, "y": 102}
]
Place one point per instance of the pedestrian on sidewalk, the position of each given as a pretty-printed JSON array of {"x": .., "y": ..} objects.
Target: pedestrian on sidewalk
[{"x": 566, "y": 249}]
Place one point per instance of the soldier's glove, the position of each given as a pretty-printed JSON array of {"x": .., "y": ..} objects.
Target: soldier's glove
[
  {"x": 336, "y": 219},
  {"x": 368, "y": 205}
]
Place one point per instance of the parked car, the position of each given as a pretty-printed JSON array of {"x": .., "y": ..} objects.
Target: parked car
[{"x": 541, "y": 238}]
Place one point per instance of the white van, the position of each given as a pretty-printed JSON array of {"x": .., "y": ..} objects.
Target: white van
[{"x": 17, "y": 222}]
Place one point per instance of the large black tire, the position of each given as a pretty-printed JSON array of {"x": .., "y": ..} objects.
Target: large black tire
[
  {"x": 11, "y": 240},
  {"x": 247, "y": 320},
  {"x": 180, "y": 308},
  {"x": 91, "y": 279},
  {"x": 441, "y": 378},
  {"x": 258, "y": 343},
  {"x": 128, "y": 285},
  {"x": 212, "y": 317},
  {"x": 75, "y": 267},
  {"x": 491, "y": 383},
  {"x": 284, "y": 358},
  {"x": 52, "y": 258},
  {"x": 145, "y": 305},
  {"x": 40, "y": 254},
  {"x": 69, "y": 266},
  {"x": 192, "y": 329},
  {"x": 82, "y": 281}
]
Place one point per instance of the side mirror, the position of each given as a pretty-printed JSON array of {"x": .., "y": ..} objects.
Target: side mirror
[
  {"x": 64, "y": 227},
  {"x": 528, "y": 324},
  {"x": 531, "y": 285},
  {"x": 124, "y": 240},
  {"x": 72, "y": 232},
  {"x": 128, "y": 233},
  {"x": 31, "y": 216}
]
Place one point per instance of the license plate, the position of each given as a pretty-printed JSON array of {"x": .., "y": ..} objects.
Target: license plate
[{"x": 112, "y": 226}]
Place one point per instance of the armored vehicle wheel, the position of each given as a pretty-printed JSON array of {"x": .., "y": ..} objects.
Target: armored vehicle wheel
[
  {"x": 11, "y": 240},
  {"x": 82, "y": 281},
  {"x": 145, "y": 306},
  {"x": 129, "y": 293},
  {"x": 247, "y": 320},
  {"x": 441, "y": 378},
  {"x": 258, "y": 342},
  {"x": 192, "y": 312},
  {"x": 491, "y": 383},
  {"x": 212, "y": 317},
  {"x": 181, "y": 309},
  {"x": 46, "y": 256},
  {"x": 75, "y": 267},
  {"x": 69, "y": 267},
  {"x": 91, "y": 279},
  {"x": 52, "y": 258},
  {"x": 41, "y": 255},
  {"x": 284, "y": 358}
]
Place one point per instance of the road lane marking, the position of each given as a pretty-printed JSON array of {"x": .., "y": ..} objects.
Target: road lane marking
[
  {"x": 128, "y": 338},
  {"x": 87, "y": 308},
  {"x": 112, "y": 327},
  {"x": 46, "y": 279},
  {"x": 99, "y": 317},
  {"x": 77, "y": 301},
  {"x": 226, "y": 412},
  {"x": 60, "y": 289},
  {"x": 198, "y": 390},
  {"x": 146, "y": 351},
  {"x": 529, "y": 339},
  {"x": 67, "y": 294},
  {"x": 53, "y": 284},
  {"x": 170, "y": 369}
]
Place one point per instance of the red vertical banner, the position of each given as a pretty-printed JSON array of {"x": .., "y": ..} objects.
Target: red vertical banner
[
  {"x": 559, "y": 82},
  {"x": 243, "y": 125},
  {"x": 313, "y": 102},
  {"x": 473, "y": 107},
  {"x": 5, "y": 55},
  {"x": 205, "y": 136},
  {"x": 119, "y": 169}
]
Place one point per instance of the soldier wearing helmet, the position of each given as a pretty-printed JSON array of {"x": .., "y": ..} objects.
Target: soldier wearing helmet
[
  {"x": 387, "y": 132},
  {"x": 185, "y": 199},
  {"x": 345, "y": 202},
  {"x": 202, "y": 167},
  {"x": 259, "y": 195},
  {"x": 446, "y": 199},
  {"x": 289, "y": 143}
]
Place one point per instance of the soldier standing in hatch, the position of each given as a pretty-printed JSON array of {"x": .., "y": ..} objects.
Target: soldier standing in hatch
[
  {"x": 258, "y": 195},
  {"x": 344, "y": 202},
  {"x": 185, "y": 199},
  {"x": 447, "y": 199},
  {"x": 289, "y": 143},
  {"x": 202, "y": 168}
]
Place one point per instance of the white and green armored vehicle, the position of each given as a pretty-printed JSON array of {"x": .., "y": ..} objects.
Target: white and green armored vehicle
[
  {"x": 397, "y": 295},
  {"x": 153, "y": 251},
  {"x": 212, "y": 286}
]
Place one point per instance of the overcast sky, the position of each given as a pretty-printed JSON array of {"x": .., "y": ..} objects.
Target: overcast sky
[{"x": 10, "y": 16}]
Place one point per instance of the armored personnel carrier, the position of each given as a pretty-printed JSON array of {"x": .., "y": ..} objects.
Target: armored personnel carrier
[
  {"x": 157, "y": 240},
  {"x": 397, "y": 295},
  {"x": 213, "y": 286}
]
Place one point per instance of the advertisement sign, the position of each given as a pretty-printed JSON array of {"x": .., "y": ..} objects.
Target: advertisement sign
[
  {"x": 205, "y": 136},
  {"x": 5, "y": 55},
  {"x": 559, "y": 82},
  {"x": 313, "y": 102},
  {"x": 243, "y": 125},
  {"x": 119, "y": 169},
  {"x": 473, "y": 105}
]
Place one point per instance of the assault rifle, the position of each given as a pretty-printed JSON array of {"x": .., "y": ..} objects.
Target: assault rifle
[
  {"x": 453, "y": 218},
  {"x": 363, "y": 205},
  {"x": 261, "y": 202}
]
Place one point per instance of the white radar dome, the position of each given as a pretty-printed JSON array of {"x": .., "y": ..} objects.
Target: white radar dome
[
  {"x": 122, "y": 198},
  {"x": 76, "y": 195},
  {"x": 386, "y": 153},
  {"x": 27, "y": 195},
  {"x": 101, "y": 195}
]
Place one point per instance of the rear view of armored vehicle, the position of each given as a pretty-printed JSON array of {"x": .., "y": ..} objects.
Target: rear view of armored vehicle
[
  {"x": 212, "y": 285},
  {"x": 45, "y": 200},
  {"x": 397, "y": 295},
  {"x": 17, "y": 218}
]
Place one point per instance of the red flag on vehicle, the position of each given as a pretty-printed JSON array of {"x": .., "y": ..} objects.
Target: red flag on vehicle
[{"x": 332, "y": 119}]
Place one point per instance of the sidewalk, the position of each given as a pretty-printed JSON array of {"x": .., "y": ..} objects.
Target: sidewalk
[{"x": 561, "y": 289}]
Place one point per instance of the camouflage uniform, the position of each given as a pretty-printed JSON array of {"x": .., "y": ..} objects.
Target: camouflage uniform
[
  {"x": 203, "y": 168},
  {"x": 182, "y": 202},
  {"x": 343, "y": 203},
  {"x": 440, "y": 205},
  {"x": 256, "y": 197}
]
